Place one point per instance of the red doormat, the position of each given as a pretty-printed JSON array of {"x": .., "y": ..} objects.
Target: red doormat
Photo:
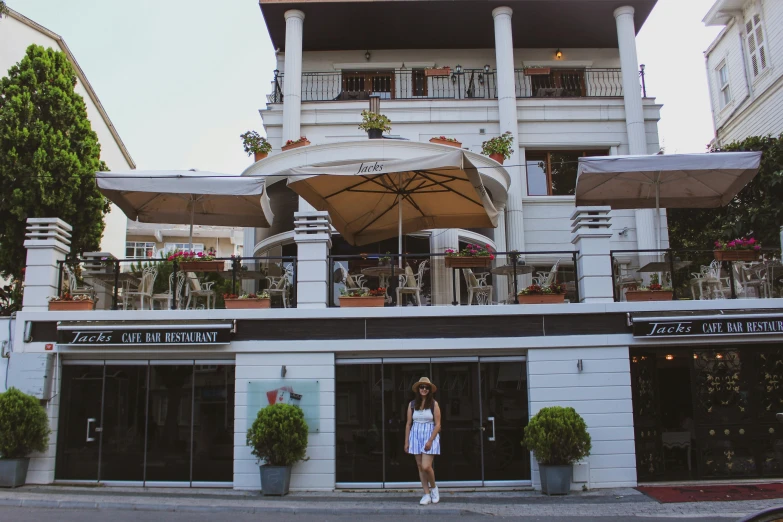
[{"x": 728, "y": 492}]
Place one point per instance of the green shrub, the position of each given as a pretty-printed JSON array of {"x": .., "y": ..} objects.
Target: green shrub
[
  {"x": 279, "y": 435},
  {"x": 24, "y": 425},
  {"x": 557, "y": 436}
]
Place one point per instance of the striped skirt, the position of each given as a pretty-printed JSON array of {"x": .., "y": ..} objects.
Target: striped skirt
[{"x": 420, "y": 434}]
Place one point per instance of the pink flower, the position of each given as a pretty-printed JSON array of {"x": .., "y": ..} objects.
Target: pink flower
[
  {"x": 717, "y": 244},
  {"x": 757, "y": 247},
  {"x": 201, "y": 254},
  {"x": 752, "y": 241},
  {"x": 491, "y": 256}
]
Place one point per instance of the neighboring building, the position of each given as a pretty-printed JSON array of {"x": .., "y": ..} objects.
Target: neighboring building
[
  {"x": 17, "y": 33},
  {"x": 150, "y": 240},
  {"x": 745, "y": 69}
]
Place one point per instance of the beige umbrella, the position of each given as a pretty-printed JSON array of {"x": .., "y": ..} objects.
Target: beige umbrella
[{"x": 376, "y": 200}]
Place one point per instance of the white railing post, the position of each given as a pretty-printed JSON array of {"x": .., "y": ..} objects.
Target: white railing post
[
  {"x": 313, "y": 236},
  {"x": 48, "y": 243},
  {"x": 592, "y": 230}
]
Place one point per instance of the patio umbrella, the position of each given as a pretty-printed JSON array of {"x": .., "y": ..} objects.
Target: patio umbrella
[
  {"x": 188, "y": 197},
  {"x": 664, "y": 181},
  {"x": 376, "y": 200}
]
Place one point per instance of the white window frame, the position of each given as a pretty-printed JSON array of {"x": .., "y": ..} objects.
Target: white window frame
[
  {"x": 758, "y": 54},
  {"x": 173, "y": 247},
  {"x": 724, "y": 87},
  {"x": 140, "y": 244}
]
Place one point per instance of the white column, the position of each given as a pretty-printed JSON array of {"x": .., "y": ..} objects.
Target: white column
[
  {"x": 507, "y": 115},
  {"x": 634, "y": 113},
  {"x": 440, "y": 276},
  {"x": 592, "y": 231},
  {"x": 292, "y": 84},
  {"x": 501, "y": 282},
  {"x": 48, "y": 242},
  {"x": 312, "y": 234}
]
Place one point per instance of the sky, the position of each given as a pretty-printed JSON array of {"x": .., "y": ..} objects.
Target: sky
[{"x": 182, "y": 79}]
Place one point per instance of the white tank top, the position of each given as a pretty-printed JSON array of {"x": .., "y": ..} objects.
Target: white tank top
[{"x": 423, "y": 416}]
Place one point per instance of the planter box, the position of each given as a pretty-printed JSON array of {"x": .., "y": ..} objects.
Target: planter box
[
  {"x": 359, "y": 302},
  {"x": 555, "y": 480},
  {"x": 235, "y": 304},
  {"x": 258, "y": 156},
  {"x": 72, "y": 306},
  {"x": 440, "y": 71},
  {"x": 439, "y": 141},
  {"x": 13, "y": 472},
  {"x": 736, "y": 255},
  {"x": 468, "y": 261},
  {"x": 649, "y": 295},
  {"x": 497, "y": 157},
  {"x": 201, "y": 266},
  {"x": 275, "y": 480},
  {"x": 541, "y": 299},
  {"x": 296, "y": 145}
]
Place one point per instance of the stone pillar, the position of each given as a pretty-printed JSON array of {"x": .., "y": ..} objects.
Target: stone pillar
[
  {"x": 501, "y": 282},
  {"x": 634, "y": 114},
  {"x": 292, "y": 84},
  {"x": 312, "y": 233},
  {"x": 592, "y": 231},
  {"x": 48, "y": 242},
  {"x": 440, "y": 276},
  {"x": 507, "y": 117}
]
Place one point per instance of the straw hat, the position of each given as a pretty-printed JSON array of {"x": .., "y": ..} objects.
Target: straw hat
[{"x": 426, "y": 381}]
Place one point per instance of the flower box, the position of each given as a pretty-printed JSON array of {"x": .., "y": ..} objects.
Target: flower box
[
  {"x": 296, "y": 144},
  {"x": 234, "y": 304},
  {"x": 258, "y": 156},
  {"x": 201, "y": 266},
  {"x": 81, "y": 305},
  {"x": 440, "y": 71},
  {"x": 439, "y": 141},
  {"x": 357, "y": 302},
  {"x": 736, "y": 255},
  {"x": 468, "y": 261},
  {"x": 649, "y": 295},
  {"x": 541, "y": 299}
]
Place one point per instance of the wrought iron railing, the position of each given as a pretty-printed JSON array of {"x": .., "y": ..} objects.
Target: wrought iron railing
[{"x": 568, "y": 83}]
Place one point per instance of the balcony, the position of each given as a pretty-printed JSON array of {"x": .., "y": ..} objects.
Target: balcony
[{"x": 456, "y": 84}]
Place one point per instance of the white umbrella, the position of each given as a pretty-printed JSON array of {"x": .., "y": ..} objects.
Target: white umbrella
[
  {"x": 664, "y": 181},
  {"x": 188, "y": 197}
]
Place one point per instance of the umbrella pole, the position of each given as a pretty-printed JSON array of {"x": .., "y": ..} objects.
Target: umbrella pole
[
  {"x": 192, "y": 219},
  {"x": 658, "y": 214},
  {"x": 399, "y": 231}
]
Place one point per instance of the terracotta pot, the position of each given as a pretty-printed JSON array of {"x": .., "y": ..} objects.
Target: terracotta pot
[
  {"x": 439, "y": 141},
  {"x": 201, "y": 266},
  {"x": 541, "y": 299},
  {"x": 258, "y": 156},
  {"x": 72, "y": 306},
  {"x": 440, "y": 71},
  {"x": 497, "y": 157},
  {"x": 648, "y": 295},
  {"x": 296, "y": 145},
  {"x": 468, "y": 261},
  {"x": 357, "y": 302},
  {"x": 736, "y": 255},
  {"x": 234, "y": 304}
]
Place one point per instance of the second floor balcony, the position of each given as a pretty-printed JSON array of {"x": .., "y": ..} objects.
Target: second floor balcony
[{"x": 452, "y": 84}]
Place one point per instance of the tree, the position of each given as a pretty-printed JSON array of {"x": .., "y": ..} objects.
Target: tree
[
  {"x": 48, "y": 156},
  {"x": 757, "y": 210}
]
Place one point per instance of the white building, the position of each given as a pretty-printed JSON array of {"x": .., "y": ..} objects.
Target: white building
[{"x": 745, "y": 69}]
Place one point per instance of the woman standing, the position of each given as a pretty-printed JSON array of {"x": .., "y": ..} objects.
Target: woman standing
[{"x": 422, "y": 437}]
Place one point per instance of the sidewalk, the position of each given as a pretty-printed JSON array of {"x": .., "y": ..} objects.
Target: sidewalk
[{"x": 606, "y": 502}]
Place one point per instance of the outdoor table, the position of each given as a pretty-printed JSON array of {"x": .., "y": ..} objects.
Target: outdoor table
[
  {"x": 508, "y": 270},
  {"x": 383, "y": 272},
  {"x": 107, "y": 279}
]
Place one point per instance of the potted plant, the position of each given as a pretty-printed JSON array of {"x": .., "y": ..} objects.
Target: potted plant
[
  {"x": 234, "y": 301},
  {"x": 190, "y": 261},
  {"x": 278, "y": 437},
  {"x": 357, "y": 298},
  {"x": 472, "y": 256},
  {"x": 743, "y": 249},
  {"x": 385, "y": 260},
  {"x": 535, "y": 294},
  {"x": 443, "y": 140},
  {"x": 24, "y": 428},
  {"x": 499, "y": 147},
  {"x": 558, "y": 437},
  {"x": 437, "y": 71},
  {"x": 65, "y": 302},
  {"x": 653, "y": 292},
  {"x": 295, "y": 144},
  {"x": 375, "y": 124},
  {"x": 256, "y": 145}
]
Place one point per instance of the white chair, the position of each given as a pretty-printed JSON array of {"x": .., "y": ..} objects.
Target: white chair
[
  {"x": 752, "y": 278},
  {"x": 167, "y": 297},
  {"x": 707, "y": 280},
  {"x": 280, "y": 285},
  {"x": 75, "y": 288},
  {"x": 197, "y": 289},
  {"x": 411, "y": 283},
  {"x": 144, "y": 291},
  {"x": 477, "y": 287},
  {"x": 353, "y": 281},
  {"x": 547, "y": 278}
]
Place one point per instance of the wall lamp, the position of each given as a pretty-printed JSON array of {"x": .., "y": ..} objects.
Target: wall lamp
[
  {"x": 367, "y": 56},
  {"x": 558, "y": 55}
]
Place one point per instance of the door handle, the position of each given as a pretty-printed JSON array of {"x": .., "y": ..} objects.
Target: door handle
[
  {"x": 90, "y": 439},
  {"x": 492, "y": 420}
]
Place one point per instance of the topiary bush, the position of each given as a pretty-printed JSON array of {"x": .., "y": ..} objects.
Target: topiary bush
[
  {"x": 557, "y": 436},
  {"x": 279, "y": 435},
  {"x": 24, "y": 425}
]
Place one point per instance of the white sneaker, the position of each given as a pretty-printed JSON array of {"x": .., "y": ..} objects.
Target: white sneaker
[
  {"x": 426, "y": 499},
  {"x": 434, "y": 495}
]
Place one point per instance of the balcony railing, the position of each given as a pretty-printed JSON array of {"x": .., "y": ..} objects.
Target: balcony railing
[{"x": 415, "y": 84}]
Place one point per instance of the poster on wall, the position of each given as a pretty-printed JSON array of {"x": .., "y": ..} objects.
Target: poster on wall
[{"x": 305, "y": 394}]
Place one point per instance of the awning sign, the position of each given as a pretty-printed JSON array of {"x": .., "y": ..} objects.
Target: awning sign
[
  {"x": 708, "y": 326},
  {"x": 140, "y": 335}
]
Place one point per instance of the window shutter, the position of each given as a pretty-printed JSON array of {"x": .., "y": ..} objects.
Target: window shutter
[{"x": 757, "y": 48}]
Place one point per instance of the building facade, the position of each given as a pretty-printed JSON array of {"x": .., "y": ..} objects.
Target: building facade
[{"x": 743, "y": 69}]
